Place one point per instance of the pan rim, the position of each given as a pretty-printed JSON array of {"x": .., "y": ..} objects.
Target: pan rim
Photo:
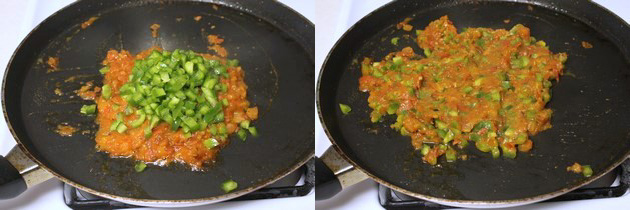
[
  {"x": 154, "y": 202},
  {"x": 459, "y": 202}
]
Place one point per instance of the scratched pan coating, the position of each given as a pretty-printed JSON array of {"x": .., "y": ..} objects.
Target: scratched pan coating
[
  {"x": 591, "y": 118},
  {"x": 273, "y": 44}
]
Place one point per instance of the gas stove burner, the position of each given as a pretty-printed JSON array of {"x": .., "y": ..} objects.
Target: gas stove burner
[
  {"x": 283, "y": 188},
  {"x": 600, "y": 188}
]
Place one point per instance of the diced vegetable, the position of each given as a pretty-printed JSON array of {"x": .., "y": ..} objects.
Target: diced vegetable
[
  {"x": 345, "y": 109},
  {"x": 106, "y": 91},
  {"x": 210, "y": 143},
  {"x": 451, "y": 155},
  {"x": 104, "y": 70},
  {"x": 229, "y": 185},
  {"x": 244, "y": 124},
  {"x": 425, "y": 149},
  {"x": 587, "y": 171},
  {"x": 182, "y": 94},
  {"x": 242, "y": 134},
  {"x": 139, "y": 167},
  {"x": 253, "y": 131},
  {"x": 394, "y": 40},
  {"x": 88, "y": 109}
]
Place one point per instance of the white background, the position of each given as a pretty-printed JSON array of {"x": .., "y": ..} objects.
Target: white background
[
  {"x": 17, "y": 18},
  {"x": 333, "y": 18}
]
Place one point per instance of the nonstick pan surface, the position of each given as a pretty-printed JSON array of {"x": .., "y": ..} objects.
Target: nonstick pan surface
[
  {"x": 273, "y": 44},
  {"x": 591, "y": 118}
]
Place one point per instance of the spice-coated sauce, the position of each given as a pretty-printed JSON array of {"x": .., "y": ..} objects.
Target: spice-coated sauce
[
  {"x": 164, "y": 145},
  {"x": 483, "y": 86}
]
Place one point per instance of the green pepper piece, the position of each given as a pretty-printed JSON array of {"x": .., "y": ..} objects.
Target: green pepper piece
[
  {"x": 448, "y": 137},
  {"x": 345, "y": 109},
  {"x": 483, "y": 146},
  {"x": 244, "y": 124},
  {"x": 210, "y": 143},
  {"x": 106, "y": 91},
  {"x": 394, "y": 40},
  {"x": 252, "y": 130},
  {"x": 425, "y": 149},
  {"x": 475, "y": 137},
  {"x": 451, "y": 155},
  {"x": 88, "y": 109},
  {"x": 139, "y": 167},
  {"x": 232, "y": 63},
  {"x": 397, "y": 60},
  {"x": 121, "y": 128},
  {"x": 587, "y": 171},
  {"x": 508, "y": 152},
  {"x": 241, "y": 134},
  {"x": 138, "y": 122},
  {"x": 495, "y": 152},
  {"x": 104, "y": 70},
  {"x": 229, "y": 185}
]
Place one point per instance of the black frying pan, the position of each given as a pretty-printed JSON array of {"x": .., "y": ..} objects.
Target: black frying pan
[
  {"x": 273, "y": 43},
  {"x": 591, "y": 119}
]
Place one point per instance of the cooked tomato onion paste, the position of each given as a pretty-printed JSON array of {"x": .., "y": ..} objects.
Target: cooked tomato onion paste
[
  {"x": 481, "y": 86},
  {"x": 160, "y": 106}
]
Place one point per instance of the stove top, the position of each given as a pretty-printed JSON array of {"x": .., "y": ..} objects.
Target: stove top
[
  {"x": 603, "y": 187},
  {"x": 288, "y": 186}
]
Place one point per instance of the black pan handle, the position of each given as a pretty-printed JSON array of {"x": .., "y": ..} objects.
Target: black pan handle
[
  {"x": 18, "y": 172},
  {"x": 333, "y": 173}
]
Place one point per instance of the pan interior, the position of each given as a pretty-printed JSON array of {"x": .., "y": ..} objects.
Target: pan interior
[
  {"x": 278, "y": 71},
  {"x": 590, "y": 120}
]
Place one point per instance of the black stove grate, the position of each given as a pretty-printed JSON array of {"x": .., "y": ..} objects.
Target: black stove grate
[
  {"x": 75, "y": 199},
  {"x": 390, "y": 199}
]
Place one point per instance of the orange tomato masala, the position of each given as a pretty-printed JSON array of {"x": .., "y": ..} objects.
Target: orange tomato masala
[
  {"x": 481, "y": 86},
  {"x": 165, "y": 145}
]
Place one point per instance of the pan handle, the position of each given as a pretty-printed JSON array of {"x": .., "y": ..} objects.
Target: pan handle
[
  {"x": 333, "y": 173},
  {"x": 18, "y": 172}
]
